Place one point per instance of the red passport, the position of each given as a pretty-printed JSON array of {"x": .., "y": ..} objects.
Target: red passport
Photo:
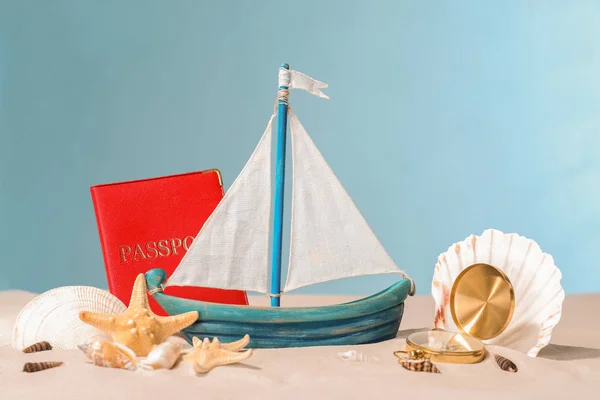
[{"x": 150, "y": 223}]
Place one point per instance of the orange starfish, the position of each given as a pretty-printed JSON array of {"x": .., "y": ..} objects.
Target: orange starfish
[{"x": 138, "y": 327}]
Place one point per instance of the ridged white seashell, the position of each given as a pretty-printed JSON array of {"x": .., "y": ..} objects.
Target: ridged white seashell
[
  {"x": 535, "y": 279},
  {"x": 165, "y": 355},
  {"x": 53, "y": 316}
]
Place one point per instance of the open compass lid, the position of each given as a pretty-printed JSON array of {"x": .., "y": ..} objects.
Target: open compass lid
[{"x": 482, "y": 302}]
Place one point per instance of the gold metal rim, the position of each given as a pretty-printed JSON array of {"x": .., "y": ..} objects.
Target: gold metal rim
[
  {"x": 456, "y": 286},
  {"x": 467, "y": 357}
]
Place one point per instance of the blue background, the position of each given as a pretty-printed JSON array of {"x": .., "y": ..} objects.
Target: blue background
[{"x": 445, "y": 118}]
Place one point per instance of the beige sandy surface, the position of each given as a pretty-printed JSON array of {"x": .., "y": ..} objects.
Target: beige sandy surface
[{"x": 569, "y": 367}]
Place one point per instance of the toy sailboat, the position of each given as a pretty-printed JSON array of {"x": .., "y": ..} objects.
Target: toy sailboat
[{"x": 330, "y": 240}]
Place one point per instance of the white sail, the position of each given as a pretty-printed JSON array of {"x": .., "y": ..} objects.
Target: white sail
[
  {"x": 330, "y": 239},
  {"x": 231, "y": 249}
]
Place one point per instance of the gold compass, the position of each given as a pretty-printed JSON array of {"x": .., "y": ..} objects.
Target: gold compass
[{"x": 482, "y": 303}]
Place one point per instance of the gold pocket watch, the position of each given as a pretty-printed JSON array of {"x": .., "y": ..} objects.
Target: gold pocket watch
[{"x": 482, "y": 302}]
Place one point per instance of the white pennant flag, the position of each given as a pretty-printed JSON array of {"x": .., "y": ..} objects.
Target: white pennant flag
[{"x": 297, "y": 80}]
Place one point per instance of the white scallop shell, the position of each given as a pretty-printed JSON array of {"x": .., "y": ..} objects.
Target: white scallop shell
[
  {"x": 535, "y": 279},
  {"x": 54, "y": 316}
]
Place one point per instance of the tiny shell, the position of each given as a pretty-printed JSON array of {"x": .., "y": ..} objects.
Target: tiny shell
[
  {"x": 112, "y": 355},
  {"x": 505, "y": 364},
  {"x": 39, "y": 346},
  {"x": 40, "y": 366},
  {"x": 165, "y": 355},
  {"x": 356, "y": 356},
  {"x": 424, "y": 365}
]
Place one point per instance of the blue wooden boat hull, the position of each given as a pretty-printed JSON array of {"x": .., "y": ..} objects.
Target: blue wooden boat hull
[{"x": 369, "y": 320}]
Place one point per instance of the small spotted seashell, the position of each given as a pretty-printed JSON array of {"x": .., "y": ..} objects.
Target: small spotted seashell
[
  {"x": 423, "y": 365},
  {"x": 39, "y": 346},
  {"x": 40, "y": 366},
  {"x": 112, "y": 355},
  {"x": 505, "y": 364}
]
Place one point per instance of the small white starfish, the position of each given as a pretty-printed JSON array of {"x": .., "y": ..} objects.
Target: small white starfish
[{"x": 206, "y": 355}]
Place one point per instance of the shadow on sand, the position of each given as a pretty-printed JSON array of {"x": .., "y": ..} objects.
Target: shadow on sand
[{"x": 568, "y": 353}]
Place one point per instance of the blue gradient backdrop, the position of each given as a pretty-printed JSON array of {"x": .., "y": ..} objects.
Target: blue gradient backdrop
[{"x": 445, "y": 118}]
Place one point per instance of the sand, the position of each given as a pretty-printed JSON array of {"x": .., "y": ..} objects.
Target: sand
[{"x": 569, "y": 366}]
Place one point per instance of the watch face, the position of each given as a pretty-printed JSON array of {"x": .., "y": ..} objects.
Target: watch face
[{"x": 442, "y": 341}]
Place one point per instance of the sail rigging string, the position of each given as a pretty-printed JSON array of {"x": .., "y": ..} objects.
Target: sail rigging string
[
  {"x": 158, "y": 289},
  {"x": 285, "y": 77},
  {"x": 283, "y": 96}
]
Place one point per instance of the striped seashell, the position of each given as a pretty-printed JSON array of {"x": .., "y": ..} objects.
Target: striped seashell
[
  {"x": 40, "y": 366},
  {"x": 39, "y": 346},
  {"x": 423, "y": 365},
  {"x": 505, "y": 364}
]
